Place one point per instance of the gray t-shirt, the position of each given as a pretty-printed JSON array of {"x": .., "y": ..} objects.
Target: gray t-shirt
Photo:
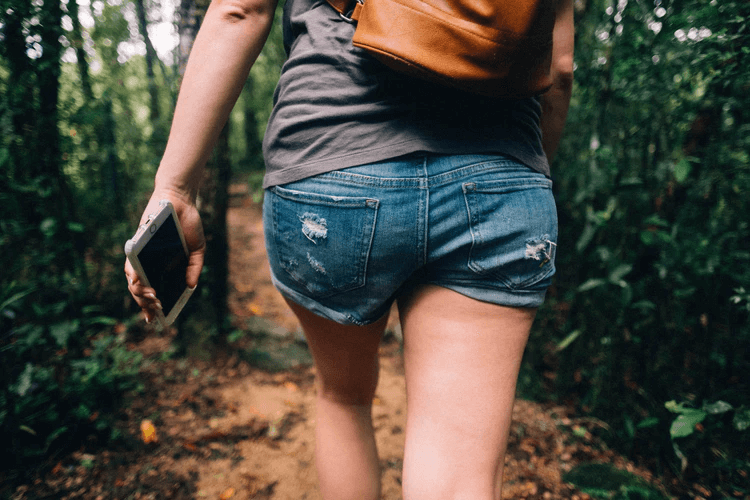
[{"x": 335, "y": 107}]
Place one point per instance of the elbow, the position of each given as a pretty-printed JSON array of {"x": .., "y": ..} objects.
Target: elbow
[
  {"x": 562, "y": 72},
  {"x": 236, "y": 11}
]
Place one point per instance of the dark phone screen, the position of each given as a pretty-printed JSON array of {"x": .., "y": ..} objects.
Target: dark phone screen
[{"x": 165, "y": 263}]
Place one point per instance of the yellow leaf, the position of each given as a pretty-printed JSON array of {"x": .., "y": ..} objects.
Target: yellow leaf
[
  {"x": 148, "y": 432},
  {"x": 255, "y": 309},
  {"x": 227, "y": 494}
]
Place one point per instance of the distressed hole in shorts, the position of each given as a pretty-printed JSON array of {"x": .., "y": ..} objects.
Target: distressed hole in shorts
[
  {"x": 540, "y": 249},
  {"x": 316, "y": 264},
  {"x": 314, "y": 227}
]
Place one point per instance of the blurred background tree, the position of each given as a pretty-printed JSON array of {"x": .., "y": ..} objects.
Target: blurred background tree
[{"x": 646, "y": 327}]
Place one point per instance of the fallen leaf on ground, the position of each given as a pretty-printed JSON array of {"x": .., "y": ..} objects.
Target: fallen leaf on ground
[{"x": 148, "y": 432}]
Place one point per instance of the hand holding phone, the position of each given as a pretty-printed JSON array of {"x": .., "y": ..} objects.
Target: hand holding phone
[{"x": 159, "y": 255}]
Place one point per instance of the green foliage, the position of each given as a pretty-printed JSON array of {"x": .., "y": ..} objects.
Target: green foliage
[
  {"x": 63, "y": 222},
  {"x": 605, "y": 481},
  {"x": 717, "y": 426},
  {"x": 650, "y": 302},
  {"x": 61, "y": 367}
]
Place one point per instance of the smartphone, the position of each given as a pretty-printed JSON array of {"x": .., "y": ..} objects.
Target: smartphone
[{"x": 159, "y": 255}]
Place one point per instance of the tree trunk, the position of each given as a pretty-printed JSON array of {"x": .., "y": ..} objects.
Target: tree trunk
[
  {"x": 215, "y": 196},
  {"x": 48, "y": 80},
  {"x": 20, "y": 99},
  {"x": 253, "y": 144},
  {"x": 189, "y": 21},
  {"x": 151, "y": 58},
  {"x": 76, "y": 40},
  {"x": 48, "y": 75}
]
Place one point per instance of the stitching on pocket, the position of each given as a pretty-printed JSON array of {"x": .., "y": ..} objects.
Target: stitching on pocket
[
  {"x": 514, "y": 266},
  {"x": 323, "y": 242}
]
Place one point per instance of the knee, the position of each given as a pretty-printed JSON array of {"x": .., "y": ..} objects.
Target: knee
[
  {"x": 439, "y": 476},
  {"x": 347, "y": 393},
  {"x": 343, "y": 384}
]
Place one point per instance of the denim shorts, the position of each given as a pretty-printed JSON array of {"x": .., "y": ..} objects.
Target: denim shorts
[{"x": 346, "y": 244}]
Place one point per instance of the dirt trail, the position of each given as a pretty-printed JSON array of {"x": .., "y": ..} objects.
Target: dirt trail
[
  {"x": 227, "y": 429},
  {"x": 282, "y": 467}
]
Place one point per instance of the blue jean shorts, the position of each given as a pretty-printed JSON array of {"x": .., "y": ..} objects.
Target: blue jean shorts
[{"x": 346, "y": 244}]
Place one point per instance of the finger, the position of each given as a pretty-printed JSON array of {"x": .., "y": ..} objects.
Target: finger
[
  {"x": 144, "y": 296},
  {"x": 130, "y": 273},
  {"x": 195, "y": 265}
]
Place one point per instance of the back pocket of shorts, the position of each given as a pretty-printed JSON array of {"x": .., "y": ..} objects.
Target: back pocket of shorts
[
  {"x": 323, "y": 242},
  {"x": 514, "y": 229}
]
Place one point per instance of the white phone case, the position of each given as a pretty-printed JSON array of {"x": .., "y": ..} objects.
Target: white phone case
[{"x": 138, "y": 242}]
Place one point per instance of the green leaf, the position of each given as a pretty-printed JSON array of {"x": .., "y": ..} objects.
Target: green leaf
[
  {"x": 61, "y": 331},
  {"x": 568, "y": 340},
  {"x": 586, "y": 236},
  {"x": 674, "y": 406},
  {"x": 685, "y": 423},
  {"x": 619, "y": 272},
  {"x": 48, "y": 227},
  {"x": 82, "y": 412},
  {"x": 54, "y": 435},
  {"x": 655, "y": 220},
  {"x": 28, "y": 429},
  {"x": 101, "y": 320},
  {"x": 717, "y": 407},
  {"x": 644, "y": 305},
  {"x": 76, "y": 227},
  {"x": 741, "y": 419},
  {"x": 235, "y": 335},
  {"x": 648, "y": 422},
  {"x": 647, "y": 238},
  {"x": 591, "y": 284},
  {"x": 24, "y": 381},
  {"x": 682, "y": 169},
  {"x": 16, "y": 297}
]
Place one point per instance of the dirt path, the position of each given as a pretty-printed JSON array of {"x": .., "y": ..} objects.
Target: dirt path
[{"x": 226, "y": 429}]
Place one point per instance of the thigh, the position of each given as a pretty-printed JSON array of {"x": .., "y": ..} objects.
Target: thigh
[
  {"x": 462, "y": 358},
  {"x": 345, "y": 356}
]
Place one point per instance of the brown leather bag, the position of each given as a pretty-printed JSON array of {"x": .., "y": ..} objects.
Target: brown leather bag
[{"x": 497, "y": 48}]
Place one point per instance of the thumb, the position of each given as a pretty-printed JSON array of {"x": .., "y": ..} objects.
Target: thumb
[{"x": 195, "y": 265}]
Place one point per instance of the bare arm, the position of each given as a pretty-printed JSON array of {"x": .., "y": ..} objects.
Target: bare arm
[
  {"x": 228, "y": 43},
  {"x": 556, "y": 100},
  {"x": 230, "y": 39}
]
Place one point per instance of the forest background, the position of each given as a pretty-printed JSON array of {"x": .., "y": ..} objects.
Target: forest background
[{"x": 646, "y": 327}]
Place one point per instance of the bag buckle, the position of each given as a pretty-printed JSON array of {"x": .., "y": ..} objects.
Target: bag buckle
[{"x": 348, "y": 16}]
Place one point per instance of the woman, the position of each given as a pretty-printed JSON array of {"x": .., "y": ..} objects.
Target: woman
[{"x": 380, "y": 188}]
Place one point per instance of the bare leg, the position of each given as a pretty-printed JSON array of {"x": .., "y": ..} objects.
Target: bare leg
[
  {"x": 346, "y": 360},
  {"x": 462, "y": 359}
]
